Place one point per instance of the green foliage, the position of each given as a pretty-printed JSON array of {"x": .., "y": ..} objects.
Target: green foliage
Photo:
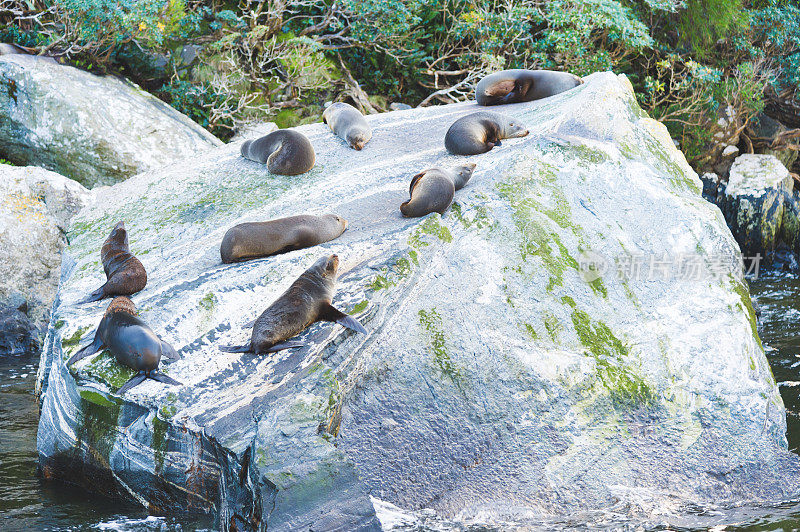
[
  {"x": 689, "y": 60},
  {"x": 775, "y": 26},
  {"x": 196, "y": 100},
  {"x": 703, "y": 22}
]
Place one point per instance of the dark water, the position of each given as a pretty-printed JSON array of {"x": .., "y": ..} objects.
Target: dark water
[
  {"x": 27, "y": 503},
  {"x": 777, "y": 294}
]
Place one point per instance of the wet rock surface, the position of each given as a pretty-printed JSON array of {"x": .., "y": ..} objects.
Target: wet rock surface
[
  {"x": 499, "y": 377},
  {"x": 95, "y": 130}
]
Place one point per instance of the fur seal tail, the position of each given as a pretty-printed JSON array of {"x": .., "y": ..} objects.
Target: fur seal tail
[
  {"x": 246, "y": 149},
  {"x": 235, "y": 348},
  {"x": 161, "y": 377},
  {"x": 87, "y": 350},
  {"x": 97, "y": 295},
  {"x": 280, "y": 347},
  {"x": 331, "y": 313},
  {"x": 134, "y": 381},
  {"x": 142, "y": 376}
]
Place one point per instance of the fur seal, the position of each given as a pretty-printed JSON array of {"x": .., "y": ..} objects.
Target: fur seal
[
  {"x": 125, "y": 274},
  {"x": 519, "y": 85},
  {"x": 433, "y": 190},
  {"x": 131, "y": 342},
  {"x": 347, "y": 123},
  {"x": 260, "y": 239},
  {"x": 480, "y": 132},
  {"x": 307, "y": 301},
  {"x": 285, "y": 152}
]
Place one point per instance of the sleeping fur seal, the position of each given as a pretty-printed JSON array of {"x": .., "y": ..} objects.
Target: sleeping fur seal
[
  {"x": 519, "y": 85},
  {"x": 125, "y": 274},
  {"x": 348, "y": 123},
  {"x": 480, "y": 132},
  {"x": 260, "y": 239},
  {"x": 307, "y": 301},
  {"x": 433, "y": 190},
  {"x": 131, "y": 342},
  {"x": 285, "y": 152}
]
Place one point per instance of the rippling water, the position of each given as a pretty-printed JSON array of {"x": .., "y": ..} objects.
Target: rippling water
[{"x": 26, "y": 503}]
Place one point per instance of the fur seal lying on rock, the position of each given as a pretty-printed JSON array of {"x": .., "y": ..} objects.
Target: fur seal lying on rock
[
  {"x": 261, "y": 239},
  {"x": 125, "y": 274},
  {"x": 433, "y": 190},
  {"x": 131, "y": 342},
  {"x": 285, "y": 152},
  {"x": 480, "y": 132},
  {"x": 348, "y": 123},
  {"x": 519, "y": 85},
  {"x": 307, "y": 301}
]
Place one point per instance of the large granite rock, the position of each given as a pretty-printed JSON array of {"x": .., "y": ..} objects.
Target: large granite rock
[
  {"x": 95, "y": 130},
  {"x": 531, "y": 353},
  {"x": 35, "y": 208},
  {"x": 754, "y": 202}
]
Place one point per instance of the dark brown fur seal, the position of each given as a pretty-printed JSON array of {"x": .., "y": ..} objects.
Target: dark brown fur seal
[
  {"x": 433, "y": 190},
  {"x": 480, "y": 132},
  {"x": 519, "y": 85},
  {"x": 131, "y": 342},
  {"x": 260, "y": 239},
  {"x": 285, "y": 152},
  {"x": 125, "y": 274},
  {"x": 348, "y": 123},
  {"x": 307, "y": 301}
]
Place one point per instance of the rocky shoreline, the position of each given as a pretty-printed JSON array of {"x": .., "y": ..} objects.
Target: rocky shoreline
[{"x": 499, "y": 376}]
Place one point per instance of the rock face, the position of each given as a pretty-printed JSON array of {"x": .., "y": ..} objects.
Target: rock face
[
  {"x": 533, "y": 352},
  {"x": 35, "y": 208},
  {"x": 95, "y": 130},
  {"x": 754, "y": 202}
]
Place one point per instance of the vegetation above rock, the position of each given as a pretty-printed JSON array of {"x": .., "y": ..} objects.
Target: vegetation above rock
[{"x": 703, "y": 67}]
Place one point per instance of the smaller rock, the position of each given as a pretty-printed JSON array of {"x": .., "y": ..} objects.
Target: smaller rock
[
  {"x": 725, "y": 160},
  {"x": 35, "y": 208},
  {"x": 18, "y": 334},
  {"x": 764, "y": 131},
  {"x": 189, "y": 54},
  {"x": 710, "y": 184},
  {"x": 754, "y": 202},
  {"x": 397, "y": 106}
]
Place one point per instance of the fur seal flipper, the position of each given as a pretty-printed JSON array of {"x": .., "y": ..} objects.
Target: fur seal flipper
[
  {"x": 285, "y": 152},
  {"x": 254, "y": 240},
  {"x": 307, "y": 301},
  {"x": 433, "y": 190},
  {"x": 125, "y": 274},
  {"x": 142, "y": 376},
  {"x": 520, "y": 85},
  {"x": 347, "y": 123},
  {"x": 132, "y": 343},
  {"x": 480, "y": 132}
]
